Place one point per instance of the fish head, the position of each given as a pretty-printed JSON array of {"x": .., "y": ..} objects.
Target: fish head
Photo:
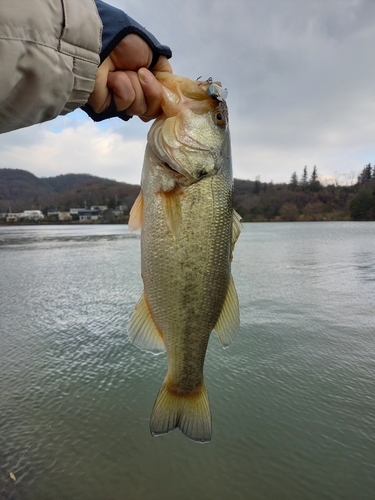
[{"x": 191, "y": 138}]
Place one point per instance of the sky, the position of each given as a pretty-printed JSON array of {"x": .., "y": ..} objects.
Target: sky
[{"x": 300, "y": 76}]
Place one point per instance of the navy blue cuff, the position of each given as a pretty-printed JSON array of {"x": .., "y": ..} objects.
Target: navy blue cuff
[
  {"x": 110, "y": 112},
  {"x": 117, "y": 24}
]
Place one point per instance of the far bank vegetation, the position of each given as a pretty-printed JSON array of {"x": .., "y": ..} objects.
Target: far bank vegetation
[{"x": 303, "y": 198}]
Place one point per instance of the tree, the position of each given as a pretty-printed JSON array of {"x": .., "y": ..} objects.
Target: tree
[
  {"x": 257, "y": 185},
  {"x": 314, "y": 210},
  {"x": 362, "y": 206},
  {"x": 268, "y": 212},
  {"x": 240, "y": 210},
  {"x": 366, "y": 175},
  {"x": 112, "y": 204},
  {"x": 304, "y": 178},
  {"x": 289, "y": 212},
  {"x": 314, "y": 175},
  {"x": 314, "y": 184},
  {"x": 293, "y": 181}
]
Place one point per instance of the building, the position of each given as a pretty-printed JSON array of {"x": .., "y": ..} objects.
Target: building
[
  {"x": 86, "y": 214},
  {"x": 32, "y": 215},
  {"x": 53, "y": 211},
  {"x": 64, "y": 216},
  {"x": 12, "y": 217},
  {"x": 74, "y": 211},
  {"x": 100, "y": 208}
]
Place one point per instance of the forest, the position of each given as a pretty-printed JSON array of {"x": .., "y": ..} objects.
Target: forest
[
  {"x": 303, "y": 198},
  {"x": 306, "y": 199}
]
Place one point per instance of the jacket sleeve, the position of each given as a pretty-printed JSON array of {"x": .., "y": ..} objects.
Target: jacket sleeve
[{"x": 49, "y": 55}]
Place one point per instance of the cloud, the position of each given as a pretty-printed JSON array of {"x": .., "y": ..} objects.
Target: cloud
[
  {"x": 300, "y": 79},
  {"x": 82, "y": 147}
]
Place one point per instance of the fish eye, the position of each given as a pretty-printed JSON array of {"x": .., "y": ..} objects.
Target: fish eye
[{"x": 219, "y": 118}]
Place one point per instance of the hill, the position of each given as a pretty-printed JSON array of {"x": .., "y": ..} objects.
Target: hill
[
  {"x": 304, "y": 199},
  {"x": 20, "y": 190}
]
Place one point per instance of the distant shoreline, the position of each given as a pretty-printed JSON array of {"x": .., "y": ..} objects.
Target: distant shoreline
[
  {"x": 105, "y": 223},
  {"x": 62, "y": 223},
  {"x": 302, "y": 199}
]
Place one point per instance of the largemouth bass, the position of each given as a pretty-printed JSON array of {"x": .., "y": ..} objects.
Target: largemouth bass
[{"x": 189, "y": 228}]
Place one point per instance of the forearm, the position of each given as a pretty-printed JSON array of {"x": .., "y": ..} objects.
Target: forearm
[
  {"x": 49, "y": 55},
  {"x": 50, "y": 51}
]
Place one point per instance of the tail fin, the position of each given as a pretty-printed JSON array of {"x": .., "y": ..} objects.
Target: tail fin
[{"x": 191, "y": 414}]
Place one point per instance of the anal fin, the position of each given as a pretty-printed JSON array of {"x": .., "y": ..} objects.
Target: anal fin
[
  {"x": 236, "y": 230},
  {"x": 228, "y": 324},
  {"x": 142, "y": 330}
]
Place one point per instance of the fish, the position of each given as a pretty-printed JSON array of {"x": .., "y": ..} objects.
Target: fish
[{"x": 188, "y": 232}]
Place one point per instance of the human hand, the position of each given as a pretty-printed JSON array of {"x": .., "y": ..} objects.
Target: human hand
[{"x": 124, "y": 76}]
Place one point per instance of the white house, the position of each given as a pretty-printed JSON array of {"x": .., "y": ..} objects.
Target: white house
[
  {"x": 12, "y": 217},
  {"x": 64, "y": 216},
  {"x": 100, "y": 208},
  {"x": 32, "y": 215}
]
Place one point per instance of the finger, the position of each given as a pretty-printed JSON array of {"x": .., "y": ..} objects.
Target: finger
[
  {"x": 163, "y": 65},
  {"x": 153, "y": 94},
  {"x": 121, "y": 84},
  {"x": 100, "y": 97},
  {"x": 139, "y": 105}
]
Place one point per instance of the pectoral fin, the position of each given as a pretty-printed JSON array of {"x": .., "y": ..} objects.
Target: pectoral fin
[
  {"x": 228, "y": 323},
  {"x": 142, "y": 330},
  {"x": 172, "y": 210},
  {"x": 136, "y": 214}
]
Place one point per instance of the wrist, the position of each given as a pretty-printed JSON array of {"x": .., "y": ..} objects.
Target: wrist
[{"x": 117, "y": 25}]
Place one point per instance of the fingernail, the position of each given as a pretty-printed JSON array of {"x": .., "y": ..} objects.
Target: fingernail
[{"x": 145, "y": 75}]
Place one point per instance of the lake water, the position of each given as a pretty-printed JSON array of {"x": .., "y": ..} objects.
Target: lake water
[{"x": 292, "y": 400}]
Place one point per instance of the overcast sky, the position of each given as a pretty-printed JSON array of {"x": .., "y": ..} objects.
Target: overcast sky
[{"x": 301, "y": 82}]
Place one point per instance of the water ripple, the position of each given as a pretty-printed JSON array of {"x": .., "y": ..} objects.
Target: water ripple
[{"x": 292, "y": 398}]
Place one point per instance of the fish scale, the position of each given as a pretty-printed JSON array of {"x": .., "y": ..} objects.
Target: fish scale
[{"x": 185, "y": 211}]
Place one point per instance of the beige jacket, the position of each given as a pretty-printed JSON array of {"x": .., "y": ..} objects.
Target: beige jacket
[{"x": 49, "y": 56}]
